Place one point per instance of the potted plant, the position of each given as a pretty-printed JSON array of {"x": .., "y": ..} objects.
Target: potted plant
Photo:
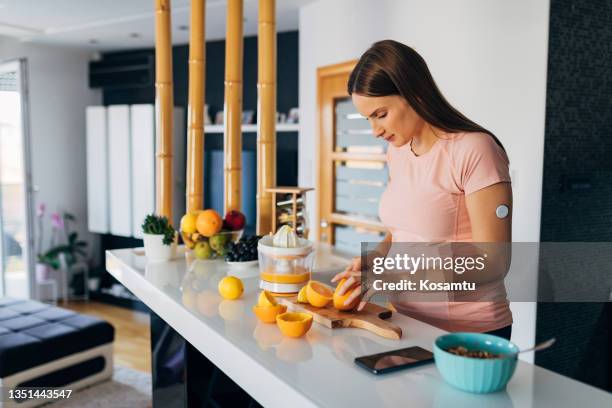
[
  {"x": 65, "y": 249},
  {"x": 159, "y": 238}
]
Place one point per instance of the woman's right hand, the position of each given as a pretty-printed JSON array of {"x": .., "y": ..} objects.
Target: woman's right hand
[{"x": 352, "y": 274}]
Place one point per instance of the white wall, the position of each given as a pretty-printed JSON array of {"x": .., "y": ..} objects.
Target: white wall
[
  {"x": 488, "y": 57},
  {"x": 58, "y": 93}
]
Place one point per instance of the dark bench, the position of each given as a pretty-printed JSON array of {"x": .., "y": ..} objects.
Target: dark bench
[{"x": 47, "y": 346}]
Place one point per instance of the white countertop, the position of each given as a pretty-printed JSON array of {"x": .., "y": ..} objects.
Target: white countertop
[{"x": 318, "y": 369}]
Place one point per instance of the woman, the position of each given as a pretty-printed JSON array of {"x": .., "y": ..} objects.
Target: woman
[{"x": 448, "y": 177}]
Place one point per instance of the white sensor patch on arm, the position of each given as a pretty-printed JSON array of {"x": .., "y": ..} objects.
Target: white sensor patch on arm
[{"x": 502, "y": 211}]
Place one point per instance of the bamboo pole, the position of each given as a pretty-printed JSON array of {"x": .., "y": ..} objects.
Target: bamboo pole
[
  {"x": 164, "y": 107},
  {"x": 266, "y": 114},
  {"x": 233, "y": 105},
  {"x": 195, "y": 115}
]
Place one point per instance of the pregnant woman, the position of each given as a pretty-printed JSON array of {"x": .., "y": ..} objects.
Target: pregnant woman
[{"x": 448, "y": 178}]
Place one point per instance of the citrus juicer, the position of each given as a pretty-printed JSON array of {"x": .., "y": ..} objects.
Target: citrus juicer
[{"x": 285, "y": 262}]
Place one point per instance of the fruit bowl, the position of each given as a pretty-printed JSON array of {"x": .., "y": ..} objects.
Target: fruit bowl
[
  {"x": 213, "y": 247},
  {"x": 209, "y": 235}
]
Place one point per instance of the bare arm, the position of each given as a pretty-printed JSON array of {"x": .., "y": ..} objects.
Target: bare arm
[
  {"x": 488, "y": 229},
  {"x": 481, "y": 206}
]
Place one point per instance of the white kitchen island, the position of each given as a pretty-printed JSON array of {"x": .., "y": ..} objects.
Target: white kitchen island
[{"x": 318, "y": 369}]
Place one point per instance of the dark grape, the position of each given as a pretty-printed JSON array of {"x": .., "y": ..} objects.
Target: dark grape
[{"x": 244, "y": 250}]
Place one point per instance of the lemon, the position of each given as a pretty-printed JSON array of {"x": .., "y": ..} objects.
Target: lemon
[
  {"x": 230, "y": 288},
  {"x": 266, "y": 299},
  {"x": 188, "y": 223},
  {"x": 302, "y": 298}
]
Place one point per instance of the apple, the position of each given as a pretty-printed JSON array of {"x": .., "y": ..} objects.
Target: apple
[
  {"x": 217, "y": 242},
  {"x": 202, "y": 250},
  {"x": 235, "y": 220}
]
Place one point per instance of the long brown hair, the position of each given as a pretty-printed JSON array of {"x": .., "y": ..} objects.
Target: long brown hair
[{"x": 392, "y": 68}]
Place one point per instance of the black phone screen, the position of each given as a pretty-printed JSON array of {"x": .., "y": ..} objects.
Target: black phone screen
[{"x": 395, "y": 359}]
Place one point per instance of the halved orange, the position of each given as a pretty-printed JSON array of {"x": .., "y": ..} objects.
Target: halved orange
[
  {"x": 318, "y": 294},
  {"x": 266, "y": 299},
  {"x": 301, "y": 297},
  {"x": 267, "y": 314},
  {"x": 294, "y": 324},
  {"x": 340, "y": 299}
]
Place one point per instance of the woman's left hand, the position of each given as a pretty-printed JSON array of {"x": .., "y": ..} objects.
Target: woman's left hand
[{"x": 352, "y": 274}]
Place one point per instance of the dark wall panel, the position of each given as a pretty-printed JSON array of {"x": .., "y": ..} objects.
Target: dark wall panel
[
  {"x": 577, "y": 188},
  {"x": 287, "y": 68}
]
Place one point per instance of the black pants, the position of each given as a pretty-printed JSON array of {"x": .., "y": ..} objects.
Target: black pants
[{"x": 504, "y": 332}]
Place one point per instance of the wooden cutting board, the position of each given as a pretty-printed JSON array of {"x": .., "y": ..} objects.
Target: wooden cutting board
[{"x": 370, "y": 318}]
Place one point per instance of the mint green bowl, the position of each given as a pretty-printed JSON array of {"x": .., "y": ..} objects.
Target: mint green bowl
[{"x": 475, "y": 374}]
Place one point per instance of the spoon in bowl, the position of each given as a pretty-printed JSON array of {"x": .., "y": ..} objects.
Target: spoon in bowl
[{"x": 540, "y": 346}]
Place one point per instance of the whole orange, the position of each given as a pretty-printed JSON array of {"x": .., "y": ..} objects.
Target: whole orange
[
  {"x": 209, "y": 222},
  {"x": 340, "y": 299}
]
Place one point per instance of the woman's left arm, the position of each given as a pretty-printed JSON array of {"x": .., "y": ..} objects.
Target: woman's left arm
[
  {"x": 491, "y": 234},
  {"x": 482, "y": 206}
]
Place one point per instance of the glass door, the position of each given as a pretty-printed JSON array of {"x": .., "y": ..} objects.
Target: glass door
[{"x": 15, "y": 202}]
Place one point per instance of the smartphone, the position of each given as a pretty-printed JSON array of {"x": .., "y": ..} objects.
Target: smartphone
[{"x": 395, "y": 360}]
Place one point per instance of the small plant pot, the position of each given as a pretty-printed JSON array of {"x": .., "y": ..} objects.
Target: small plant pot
[
  {"x": 42, "y": 272},
  {"x": 156, "y": 250}
]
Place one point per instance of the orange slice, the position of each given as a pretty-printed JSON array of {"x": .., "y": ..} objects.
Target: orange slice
[
  {"x": 318, "y": 294},
  {"x": 301, "y": 297},
  {"x": 340, "y": 299},
  {"x": 267, "y": 314},
  {"x": 294, "y": 324},
  {"x": 266, "y": 299}
]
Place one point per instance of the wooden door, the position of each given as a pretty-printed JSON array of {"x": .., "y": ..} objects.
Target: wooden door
[{"x": 351, "y": 167}]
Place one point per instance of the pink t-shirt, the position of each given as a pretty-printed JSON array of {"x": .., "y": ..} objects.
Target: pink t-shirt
[{"x": 425, "y": 202}]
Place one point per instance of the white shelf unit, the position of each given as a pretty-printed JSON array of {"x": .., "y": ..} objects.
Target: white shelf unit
[
  {"x": 97, "y": 170},
  {"x": 280, "y": 127},
  {"x": 121, "y": 167},
  {"x": 143, "y": 164}
]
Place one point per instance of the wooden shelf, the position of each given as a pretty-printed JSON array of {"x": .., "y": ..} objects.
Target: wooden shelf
[
  {"x": 357, "y": 222},
  {"x": 280, "y": 127}
]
